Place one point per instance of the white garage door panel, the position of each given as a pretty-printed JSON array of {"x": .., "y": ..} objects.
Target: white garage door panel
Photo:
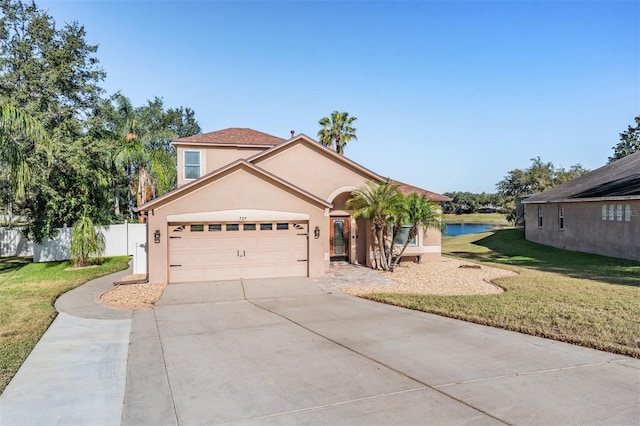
[{"x": 225, "y": 255}]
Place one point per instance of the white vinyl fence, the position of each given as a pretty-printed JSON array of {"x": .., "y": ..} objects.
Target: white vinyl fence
[
  {"x": 120, "y": 240},
  {"x": 13, "y": 243}
]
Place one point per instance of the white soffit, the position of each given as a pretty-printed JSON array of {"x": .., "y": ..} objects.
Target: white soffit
[{"x": 242, "y": 215}]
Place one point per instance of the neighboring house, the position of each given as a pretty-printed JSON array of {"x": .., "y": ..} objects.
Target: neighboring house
[
  {"x": 252, "y": 205},
  {"x": 598, "y": 212}
]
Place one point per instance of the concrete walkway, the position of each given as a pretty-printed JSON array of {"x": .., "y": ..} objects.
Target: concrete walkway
[
  {"x": 76, "y": 373},
  {"x": 285, "y": 351}
]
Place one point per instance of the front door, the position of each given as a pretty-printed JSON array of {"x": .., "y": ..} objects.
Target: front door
[{"x": 339, "y": 238}]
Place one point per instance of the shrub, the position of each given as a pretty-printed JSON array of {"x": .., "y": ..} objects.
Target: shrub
[{"x": 86, "y": 242}]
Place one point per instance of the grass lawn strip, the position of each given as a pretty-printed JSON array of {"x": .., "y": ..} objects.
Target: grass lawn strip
[
  {"x": 573, "y": 297},
  {"x": 27, "y": 294},
  {"x": 490, "y": 218}
]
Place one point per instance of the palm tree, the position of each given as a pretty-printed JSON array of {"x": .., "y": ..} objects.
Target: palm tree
[
  {"x": 382, "y": 204},
  {"x": 86, "y": 242},
  {"x": 337, "y": 130},
  {"x": 15, "y": 127},
  {"x": 148, "y": 171},
  {"x": 419, "y": 211}
]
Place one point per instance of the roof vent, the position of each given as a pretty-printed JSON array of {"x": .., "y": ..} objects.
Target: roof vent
[{"x": 293, "y": 132}]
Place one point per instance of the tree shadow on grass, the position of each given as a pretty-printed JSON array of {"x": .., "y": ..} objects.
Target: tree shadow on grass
[
  {"x": 509, "y": 247},
  {"x": 10, "y": 264}
]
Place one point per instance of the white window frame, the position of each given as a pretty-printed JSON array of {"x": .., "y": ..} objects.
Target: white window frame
[
  {"x": 619, "y": 212},
  {"x": 561, "y": 217},
  {"x": 604, "y": 212},
  {"x": 412, "y": 243},
  {"x": 184, "y": 163},
  {"x": 612, "y": 212},
  {"x": 627, "y": 212},
  {"x": 539, "y": 216}
]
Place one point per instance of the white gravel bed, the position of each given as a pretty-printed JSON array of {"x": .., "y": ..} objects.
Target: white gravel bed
[{"x": 446, "y": 277}]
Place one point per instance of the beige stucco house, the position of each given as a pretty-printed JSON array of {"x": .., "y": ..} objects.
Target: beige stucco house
[
  {"x": 252, "y": 205},
  {"x": 598, "y": 212}
]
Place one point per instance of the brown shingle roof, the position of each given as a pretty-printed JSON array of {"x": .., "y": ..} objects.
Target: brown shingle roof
[
  {"x": 407, "y": 189},
  {"x": 233, "y": 136},
  {"x": 618, "y": 179}
]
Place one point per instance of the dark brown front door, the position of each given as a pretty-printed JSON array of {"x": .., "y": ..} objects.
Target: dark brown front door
[{"x": 339, "y": 238}]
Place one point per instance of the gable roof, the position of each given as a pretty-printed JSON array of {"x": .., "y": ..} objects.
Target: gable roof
[
  {"x": 302, "y": 138},
  {"x": 232, "y": 136},
  {"x": 620, "y": 178},
  {"x": 313, "y": 144},
  {"x": 223, "y": 171}
]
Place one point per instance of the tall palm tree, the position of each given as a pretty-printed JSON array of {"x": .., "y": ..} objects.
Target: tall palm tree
[
  {"x": 337, "y": 130},
  {"x": 16, "y": 126},
  {"x": 382, "y": 204},
  {"x": 419, "y": 212},
  {"x": 148, "y": 171}
]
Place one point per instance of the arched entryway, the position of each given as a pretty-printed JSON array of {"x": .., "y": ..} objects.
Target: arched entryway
[{"x": 348, "y": 237}]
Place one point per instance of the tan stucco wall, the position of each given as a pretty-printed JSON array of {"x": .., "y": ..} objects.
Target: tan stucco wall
[
  {"x": 241, "y": 189},
  {"x": 212, "y": 158},
  {"x": 584, "y": 230},
  {"x": 312, "y": 171}
]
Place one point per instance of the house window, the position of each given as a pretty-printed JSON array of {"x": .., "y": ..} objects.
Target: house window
[
  {"x": 232, "y": 227},
  {"x": 266, "y": 226},
  {"x": 215, "y": 227},
  {"x": 191, "y": 164},
  {"x": 627, "y": 212},
  {"x": 561, "y": 217},
  {"x": 611, "y": 211},
  {"x": 196, "y": 228},
  {"x": 539, "y": 216},
  {"x": 619, "y": 212},
  {"x": 249, "y": 227},
  {"x": 604, "y": 212},
  {"x": 403, "y": 234}
]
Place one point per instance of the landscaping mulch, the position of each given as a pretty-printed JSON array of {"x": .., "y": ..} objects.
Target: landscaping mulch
[
  {"x": 445, "y": 277},
  {"x": 133, "y": 296}
]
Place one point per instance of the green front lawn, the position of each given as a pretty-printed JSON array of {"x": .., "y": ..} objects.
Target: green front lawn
[
  {"x": 27, "y": 294},
  {"x": 574, "y": 297},
  {"x": 490, "y": 218}
]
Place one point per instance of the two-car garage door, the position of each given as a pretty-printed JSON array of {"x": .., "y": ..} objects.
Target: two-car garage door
[{"x": 233, "y": 250}]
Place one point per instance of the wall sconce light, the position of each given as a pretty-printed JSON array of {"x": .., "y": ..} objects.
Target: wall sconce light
[
  {"x": 156, "y": 236},
  {"x": 316, "y": 232}
]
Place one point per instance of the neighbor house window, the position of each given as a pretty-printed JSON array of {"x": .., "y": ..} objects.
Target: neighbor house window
[
  {"x": 604, "y": 212},
  {"x": 403, "y": 234},
  {"x": 619, "y": 212},
  {"x": 191, "y": 164},
  {"x": 539, "y": 216},
  {"x": 561, "y": 217},
  {"x": 627, "y": 212},
  {"x": 612, "y": 212}
]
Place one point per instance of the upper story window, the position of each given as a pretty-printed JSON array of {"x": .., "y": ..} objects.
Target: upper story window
[
  {"x": 627, "y": 212},
  {"x": 192, "y": 165}
]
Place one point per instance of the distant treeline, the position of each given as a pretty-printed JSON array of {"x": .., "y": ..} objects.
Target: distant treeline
[{"x": 468, "y": 202}]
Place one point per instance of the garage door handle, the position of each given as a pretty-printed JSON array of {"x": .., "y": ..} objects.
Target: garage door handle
[
  {"x": 302, "y": 260},
  {"x": 172, "y": 266}
]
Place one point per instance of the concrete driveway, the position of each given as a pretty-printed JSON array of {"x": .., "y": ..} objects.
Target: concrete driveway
[{"x": 286, "y": 352}]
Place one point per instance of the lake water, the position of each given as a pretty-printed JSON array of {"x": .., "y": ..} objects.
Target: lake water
[{"x": 454, "y": 229}]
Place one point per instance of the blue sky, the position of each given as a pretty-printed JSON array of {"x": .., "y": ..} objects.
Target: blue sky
[{"x": 448, "y": 95}]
